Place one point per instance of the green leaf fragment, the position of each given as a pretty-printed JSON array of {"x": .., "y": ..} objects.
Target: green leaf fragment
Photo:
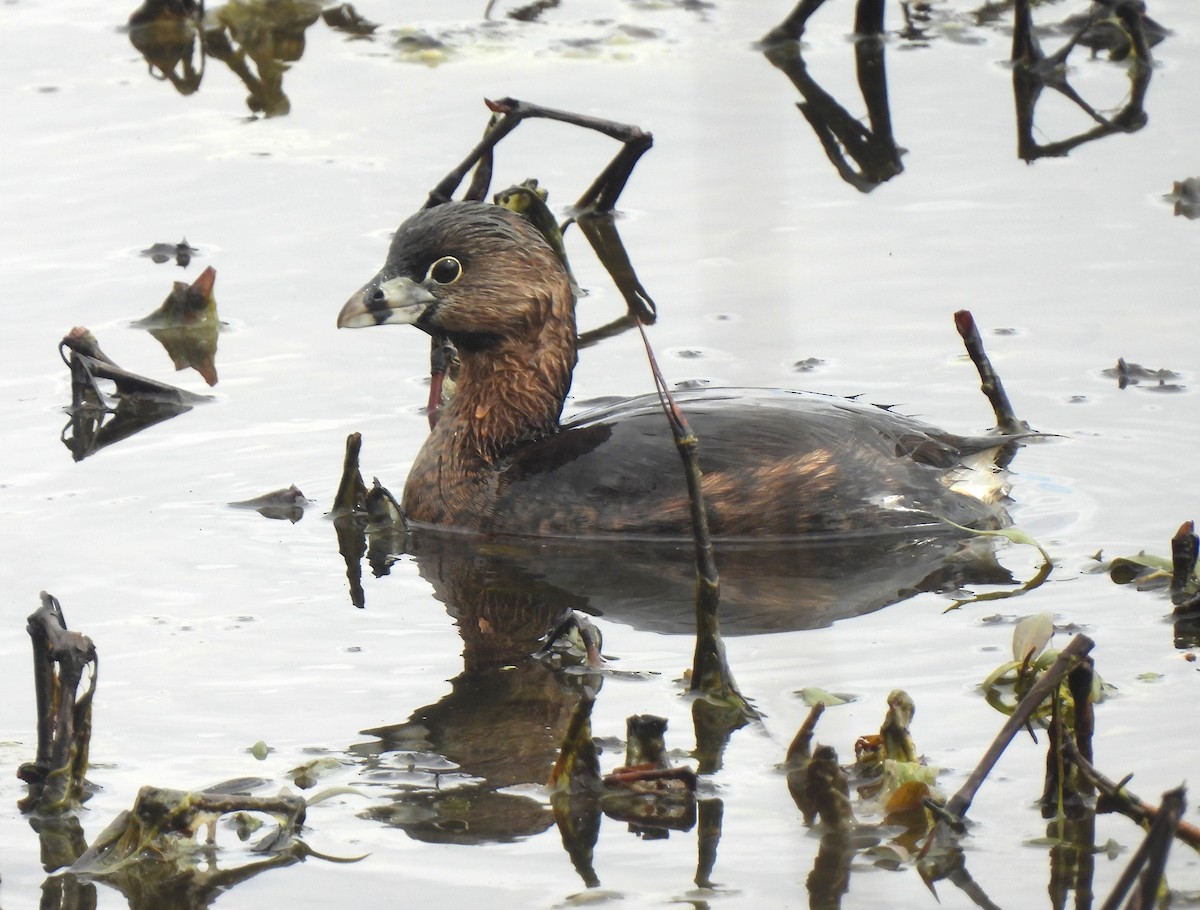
[
  {"x": 811, "y": 695},
  {"x": 1031, "y": 636}
]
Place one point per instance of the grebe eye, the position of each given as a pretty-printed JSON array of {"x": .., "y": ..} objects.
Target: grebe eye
[{"x": 446, "y": 270}]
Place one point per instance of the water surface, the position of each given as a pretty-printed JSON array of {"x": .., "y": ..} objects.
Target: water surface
[{"x": 218, "y": 628}]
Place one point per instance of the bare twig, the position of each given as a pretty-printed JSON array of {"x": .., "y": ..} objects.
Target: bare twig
[
  {"x": 593, "y": 211},
  {"x": 60, "y": 657},
  {"x": 351, "y": 495},
  {"x": 800, "y": 749},
  {"x": 509, "y": 114},
  {"x": 1006, "y": 419},
  {"x": 1125, "y": 802},
  {"x": 1185, "y": 547},
  {"x": 710, "y": 669},
  {"x": 1151, "y": 854},
  {"x": 1047, "y": 683}
]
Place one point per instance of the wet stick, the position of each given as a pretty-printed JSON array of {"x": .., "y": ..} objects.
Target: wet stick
[
  {"x": 708, "y": 836},
  {"x": 1066, "y": 790},
  {"x": 1185, "y": 547},
  {"x": 993, "y": 388},
  {"x": 800, "y": 750},
  {"x": 508, "y": 114},
  {"x": 1150, "y": 854},
  {"x": 868, "y": 18},
  {"x": 1122, "y": 800},
  {"x": 710, "y": 669},
  {"x": 88, "y": 363},
  {"x": 351, "y": 495},
  {"x": 60, "y": 657},
  {"x": 792, "y": 27},
  {"x": 1078, "y": 647}
]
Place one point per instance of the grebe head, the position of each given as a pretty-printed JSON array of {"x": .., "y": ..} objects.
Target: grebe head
[{"x": 471, "y": 271}]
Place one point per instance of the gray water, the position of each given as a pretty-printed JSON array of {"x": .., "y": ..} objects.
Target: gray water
[{"x": 218, "y": 628}]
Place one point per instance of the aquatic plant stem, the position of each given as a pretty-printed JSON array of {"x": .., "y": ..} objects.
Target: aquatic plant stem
[
  {"x": 1125, "y": 802},
  {"x": 710, "y": 669},
  {"x": 509, "y": 114},
  {"x": 64, "y": 728},
  {"x": 993, "y": 388},
  {"x": 1047, "y": 683},
  {"x": 1185, "y": 548},
  {"x": 1151, "y": 854}
]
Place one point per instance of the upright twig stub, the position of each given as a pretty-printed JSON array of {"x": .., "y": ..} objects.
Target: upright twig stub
[
  {"x": 56, "y": 777},
  {"x": 1185, "y": 548},
  {"x": 993, "y": 388}
]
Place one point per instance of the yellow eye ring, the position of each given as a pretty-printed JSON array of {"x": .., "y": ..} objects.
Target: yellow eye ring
[{"x": 446, "y": 270}]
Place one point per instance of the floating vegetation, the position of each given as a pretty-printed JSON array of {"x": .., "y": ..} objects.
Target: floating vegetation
[
  {"x": 1178, "y": 575},
  {"x": 1134, "y": 374},
  {"x": 345, "y": 18},
  {"x": 97, "y": 420},
  {"x": 284, "y": 505},
  {"x": 181, "y": 253},
  {"x": 1186, "y": 196},
  {"x": 186, "y": 325},
  {"x": 648, "y": 793},
  {"x": 161, "y": 853}
]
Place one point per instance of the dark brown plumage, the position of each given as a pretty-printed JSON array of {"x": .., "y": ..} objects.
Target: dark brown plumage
[{"x": 775, "y": 463}]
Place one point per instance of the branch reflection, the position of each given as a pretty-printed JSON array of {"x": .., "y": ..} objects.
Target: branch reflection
[
  {"x": 845, "y": 139},
  {"x": 258, "y": 40},
  {"x": 866, "y": 154},
  {"x": 1034, "y": 70},
  {"x": 455, "y": 768}
]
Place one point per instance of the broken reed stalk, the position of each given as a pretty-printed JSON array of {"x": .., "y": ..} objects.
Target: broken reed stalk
[
  {"x": 57, "y": 775},
  {"x": 1150, "y": 854},
  {"x": 600, "y": 230},
  {"x": 1185, "y": 549},
  {"x": 800, "y": 749},
  {"x": 441, "y": 355},
  {"x": 1122, "y": 800},
  {"x": 708, "y": 835},
  {"x": 868, "y": 18},
  {"x": 1047, "y": 683},
  {"x": 827, "y": 789},
  {"x": 993, "y": 388},
  {"x": 710, "y": 669},
  {"x": 1066, "y": 787},
  {"x": 351, "y": 495},
  {"x": 87, "y": 363}
]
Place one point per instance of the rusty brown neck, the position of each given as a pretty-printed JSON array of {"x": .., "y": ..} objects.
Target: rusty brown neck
[{"x": 508, "y": 394}]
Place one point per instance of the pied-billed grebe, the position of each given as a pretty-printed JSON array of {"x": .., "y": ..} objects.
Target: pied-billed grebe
[{"x": 498, "y": 460}]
